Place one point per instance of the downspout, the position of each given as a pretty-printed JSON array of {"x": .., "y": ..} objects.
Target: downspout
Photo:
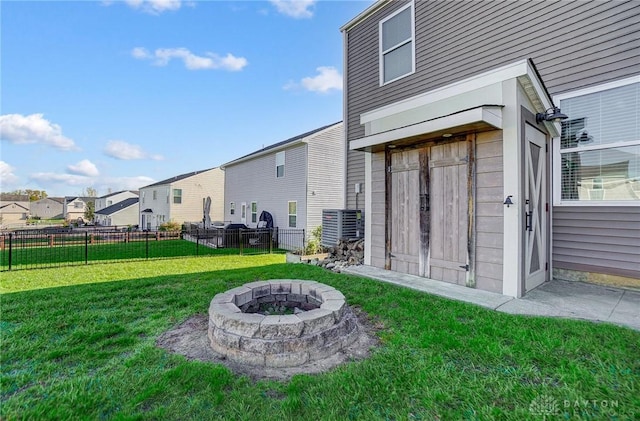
[{"x": 345, "y": 123}]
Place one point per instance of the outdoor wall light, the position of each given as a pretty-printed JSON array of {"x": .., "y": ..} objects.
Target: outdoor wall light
[
  {"x": 553, "y": 114},
  {"x": 508, "y": 201}
]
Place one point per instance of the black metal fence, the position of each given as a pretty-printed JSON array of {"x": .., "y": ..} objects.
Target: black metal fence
[{"x": 30, "y": 249}]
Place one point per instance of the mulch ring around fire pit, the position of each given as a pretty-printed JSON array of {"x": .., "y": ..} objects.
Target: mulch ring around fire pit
[{"x": 190, "y": 340}]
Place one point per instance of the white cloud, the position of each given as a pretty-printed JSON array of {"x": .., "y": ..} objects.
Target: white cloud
[
  {"x": 21, "y": 129},
  {"x": 155, "y": 7},
  {"x": 48, "y": 178},
  {"x": 128, "y": 151},
  {"x": 123, "y": 183},
  {"x": 328, "y": 79},
  {"x": 209, "y": 61},
  {"x": 62, "y": 182},
  {"x": 84, "y": 167},
  {"x": 7, "y": 176},
  {"x": 298, "y": 9},
  {"x": 140, "y": 53}
]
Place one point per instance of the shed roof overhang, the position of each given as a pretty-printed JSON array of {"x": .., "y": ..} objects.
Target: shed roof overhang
[
  {"x": 463, "y": 102},
  {"x": 478, "y": 119}
]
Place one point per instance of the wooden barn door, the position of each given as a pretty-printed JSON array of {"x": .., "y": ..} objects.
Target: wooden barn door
[
  {"x": 408, "y": 183},
  {"x": 448, "y": 259}
]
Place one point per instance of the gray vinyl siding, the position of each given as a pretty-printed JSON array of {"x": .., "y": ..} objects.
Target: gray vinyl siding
[
  {"x": 326, "y": 169},
  {"x": 604, "y": 239},
  {"x": 596, "y": 42},
  {"x": 355, "y": 174},
  {"x": 574, "y": 44},
  {"x": 255, "y": 180},
  {"x": 489, "y": 211},
  {"x": 378, "y": 210}
]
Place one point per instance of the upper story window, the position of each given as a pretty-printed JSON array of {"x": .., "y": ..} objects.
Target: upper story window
[
  {"x": 78, "y": 205},
  {"x": 155, "y": 195},
  {"x": 109, "y": 202},
  {"x": 597, "y": 158},
  {"x": 232, "y": 208},
  {"x": 280, "y": 164},
  {"x": 177, "y": 196},
  {"x": 397, "y": 50}
]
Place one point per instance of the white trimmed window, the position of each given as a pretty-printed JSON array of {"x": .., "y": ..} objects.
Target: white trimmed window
[
  {"x": 293, "y": 214},
  {"x": 397, "y": 45},
  {"x": 177, "y": 196},
  {"x": 254, "y": 212},
  {"x": 155, "y": 195},
  {"x": 597, "y": 158},
  {"x": 280, "y": 164},
  {"x": 232, "y": 208}
]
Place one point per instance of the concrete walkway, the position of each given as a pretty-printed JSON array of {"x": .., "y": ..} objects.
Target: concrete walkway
[{"x": 575, "y": 300}]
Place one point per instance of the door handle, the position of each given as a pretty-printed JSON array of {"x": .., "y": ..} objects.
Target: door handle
[{"x": 528, "y": 215}]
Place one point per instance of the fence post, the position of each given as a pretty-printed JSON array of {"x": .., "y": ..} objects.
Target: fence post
[
  {"x": 197, "y": 242},
  {"x": 271, "y": 231},
  {"x": 86, "y": 247},
  {"x": 304, "y": 240},
  {"x": 10, "y": 248},
  {"x": 240, "y": 239},
  {"x": 146, "y": 238}
]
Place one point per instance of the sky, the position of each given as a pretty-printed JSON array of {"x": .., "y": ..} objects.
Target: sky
[{"x": 116, "y": 95}]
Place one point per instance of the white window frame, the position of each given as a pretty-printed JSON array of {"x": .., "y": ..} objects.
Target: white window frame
[
  {"x": 232, "y": 208},
  {"x": 155, "y": 195},
  {"x": 289, "y": 215},
  {"x": 243, "y": 212},
  {"x": 177, "y": 196},
  {"x": 254, "y": 214},
  {"x": 280, "y": 161},
  {"x": 411, "y": 40},
  {"x": 557, "y": 161}
]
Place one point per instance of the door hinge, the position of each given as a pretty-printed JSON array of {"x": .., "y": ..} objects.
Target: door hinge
[
  {"x": 465, "y": 267},
  {"x": 546, "y": 266},
  {"x": 547, "y": 207},
  {"x": 546, "y": 147}
]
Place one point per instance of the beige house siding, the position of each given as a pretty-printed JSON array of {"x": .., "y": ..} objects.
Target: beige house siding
[
  {"x": 195, "y": 190},
  {"x": 489, "y": 211},
  {"x": 13, "y": 213},
  {"x": 378, "y": 210}
]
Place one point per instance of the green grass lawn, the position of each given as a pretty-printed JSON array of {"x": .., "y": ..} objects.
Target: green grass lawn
[
  {"x": 79, "y": 343},
  {"x": 45, "y": 256}
]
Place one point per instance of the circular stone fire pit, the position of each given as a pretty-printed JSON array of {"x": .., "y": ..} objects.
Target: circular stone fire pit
[{"x": 277, "y": 341}]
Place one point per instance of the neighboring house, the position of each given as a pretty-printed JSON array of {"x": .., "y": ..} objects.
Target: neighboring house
[
  {"x": 74, "y": 207},
  {"x": 464, "y": 178},
  {"x": 47, "y": 208},
  {"x": 125, "y": 212},
  {"x": 13, "y": 213},
  {"x": 8, "y": 198},
  {"x": 293, "y": 180},
  {"x": 182, "y": 199},
  {"x": 113, "y": 198}
]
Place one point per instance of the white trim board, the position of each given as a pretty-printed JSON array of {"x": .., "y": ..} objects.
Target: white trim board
[{"x": 490, "y": 115}]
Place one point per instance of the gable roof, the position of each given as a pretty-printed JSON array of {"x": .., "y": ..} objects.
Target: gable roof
[
  {"x": 110, "y": 210},
  {"x": 178, "y": 178},
  {"x": 118, "y": 192},
  {"x": 13, "y": 203},
  {"x": 279, "y": 145}
]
